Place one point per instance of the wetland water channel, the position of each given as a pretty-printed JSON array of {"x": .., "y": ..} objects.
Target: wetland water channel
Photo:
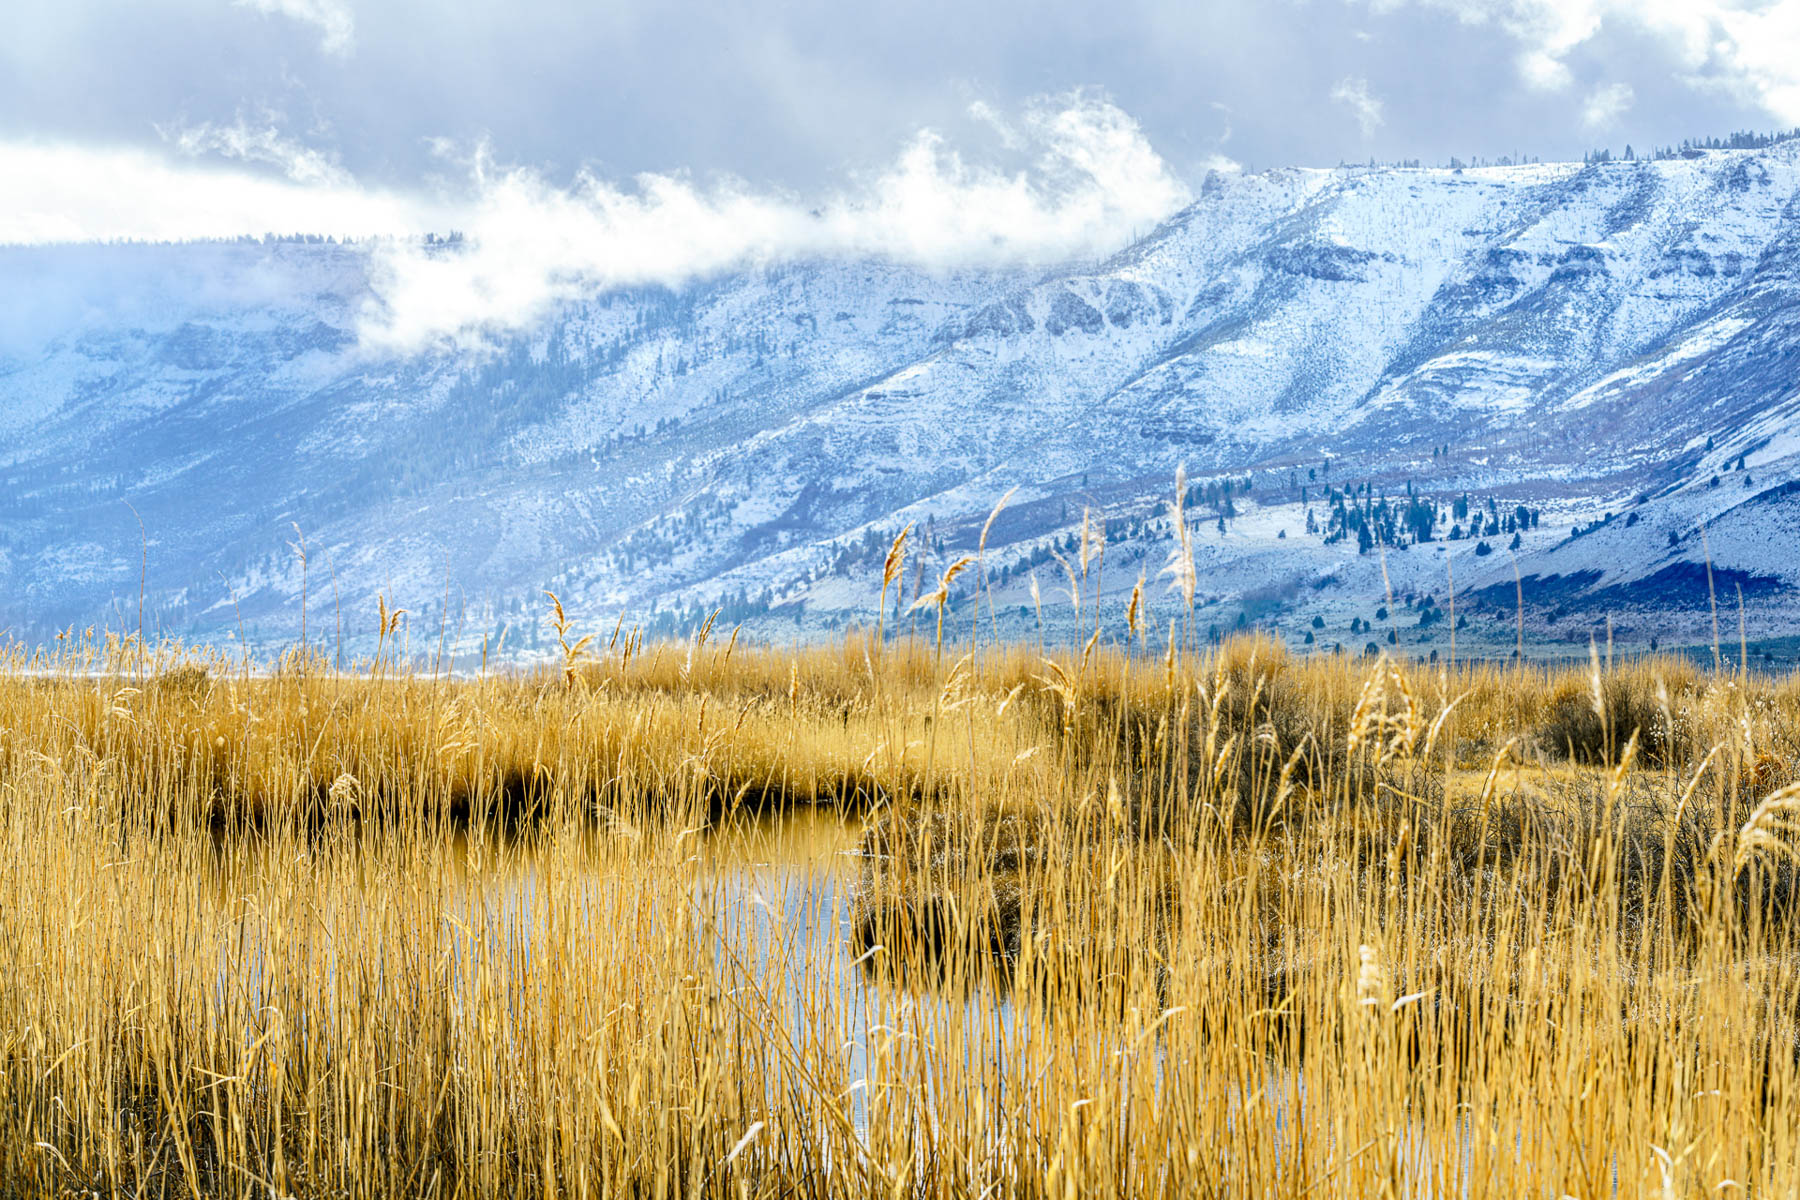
[
  {"x": 775, "y": 901},
  {"x": 770, "y": 915},
  {"x": 776, "y": 898},
  {"x": 773, "y": 913}
]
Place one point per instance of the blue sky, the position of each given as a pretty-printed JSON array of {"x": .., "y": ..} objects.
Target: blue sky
[{"x": 648, "y": 140}]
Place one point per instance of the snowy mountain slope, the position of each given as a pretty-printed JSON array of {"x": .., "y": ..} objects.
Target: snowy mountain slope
[{"x": 1595, "y": 344}]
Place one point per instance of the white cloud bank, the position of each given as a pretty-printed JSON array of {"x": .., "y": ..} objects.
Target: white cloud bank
[
  {"x": 1749, "y": 49},
  {"x": 58, "y": 192},
  {"x": 1087, "y": 182},
  {"x": 1092, "y": 182}
]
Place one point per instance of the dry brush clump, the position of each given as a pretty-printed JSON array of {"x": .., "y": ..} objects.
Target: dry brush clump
[{"x": 1591, "y": 716}]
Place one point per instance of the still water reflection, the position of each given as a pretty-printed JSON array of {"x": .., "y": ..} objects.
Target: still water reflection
[
  {"x": 777, "y": 897},
  {"x": 772, "y": 906}
]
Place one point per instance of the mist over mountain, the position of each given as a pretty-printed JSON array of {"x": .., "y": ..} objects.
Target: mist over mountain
[{"x": 1387, "y": 387}]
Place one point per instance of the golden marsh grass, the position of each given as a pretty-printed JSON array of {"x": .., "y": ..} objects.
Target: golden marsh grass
[{"x": 1103, "y": 923}]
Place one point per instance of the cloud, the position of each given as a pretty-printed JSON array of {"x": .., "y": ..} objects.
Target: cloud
[
  {"x": 333, "y": 18},
  {"x": 1748, "y": 49},
  {"x": 1077, "y": 179},
  {"x": 986, "y": 114},
  {"x": 75, "y": 193},
  {"x": 1605, "y": 105},
  {"x": 262, "y": 142},
  {"x": 1089, "y": 180},
  {"x": 1353, "y": 93},
  {"x": 1544, "y": 71},
  {"x": 1757, "y": 56},
  {"x": 57, "y": 292}
]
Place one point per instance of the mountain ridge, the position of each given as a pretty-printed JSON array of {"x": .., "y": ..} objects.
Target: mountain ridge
[{"x": 1597, "y": 343}]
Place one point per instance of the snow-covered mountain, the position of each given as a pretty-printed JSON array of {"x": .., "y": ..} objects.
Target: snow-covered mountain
[{"x": 1612, "y": 349}]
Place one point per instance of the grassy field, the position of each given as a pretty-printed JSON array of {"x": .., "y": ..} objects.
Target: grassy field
[{"x": 1118, "y": 923}]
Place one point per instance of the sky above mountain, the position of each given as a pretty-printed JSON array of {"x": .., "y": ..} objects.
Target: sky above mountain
[{"x": 652, "y": 140}]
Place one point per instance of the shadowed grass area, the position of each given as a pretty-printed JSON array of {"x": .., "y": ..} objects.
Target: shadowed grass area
[{"x": 1117, "y": 923}]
